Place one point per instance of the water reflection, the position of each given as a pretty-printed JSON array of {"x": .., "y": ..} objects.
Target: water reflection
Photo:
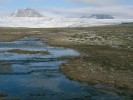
[
  {"x": 37, "y": 76},
  {"x": 5, "y": 67}
]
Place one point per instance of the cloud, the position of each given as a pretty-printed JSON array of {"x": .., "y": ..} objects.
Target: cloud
[
  {"x": 4, "y": 12},
  {"x": 117, "y": 11},
  {"x": 114, "y": 7},
  {"x": 100, "y": 2}
]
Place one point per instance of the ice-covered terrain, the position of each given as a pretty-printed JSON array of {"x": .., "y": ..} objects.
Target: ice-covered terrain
[{"x": 46, "y": 22}]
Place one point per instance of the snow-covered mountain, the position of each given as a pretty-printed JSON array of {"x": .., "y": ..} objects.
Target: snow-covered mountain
[
  {"x": 27, "y": 12},
  {"x": 99, "y": 16}
]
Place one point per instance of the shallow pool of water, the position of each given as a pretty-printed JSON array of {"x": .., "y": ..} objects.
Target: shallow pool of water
[{"x": 37, "y": 76}]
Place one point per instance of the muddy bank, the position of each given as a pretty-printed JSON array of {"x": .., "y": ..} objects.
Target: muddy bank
[
  {"x": 113, "y": 69},
  {"x": 107, "y": 62}
]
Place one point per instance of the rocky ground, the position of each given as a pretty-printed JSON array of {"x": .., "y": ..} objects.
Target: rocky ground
[{"x": 106, "y": 53}]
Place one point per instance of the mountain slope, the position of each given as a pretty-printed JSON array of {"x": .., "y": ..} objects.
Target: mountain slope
[
  {"x": 27, "y": 12},
  {"x": 99, "y": 16}
]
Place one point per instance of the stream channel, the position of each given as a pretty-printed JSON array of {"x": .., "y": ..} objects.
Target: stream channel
[{"x": 37, "y": 76}]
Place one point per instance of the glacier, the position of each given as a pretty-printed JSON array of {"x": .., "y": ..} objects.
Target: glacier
[{"x": 59, "y": 22}]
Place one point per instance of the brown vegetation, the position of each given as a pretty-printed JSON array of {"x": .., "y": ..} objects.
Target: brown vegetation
[
  {"x": 27, "y": 51},
  {"x": 106, "y": 52}
]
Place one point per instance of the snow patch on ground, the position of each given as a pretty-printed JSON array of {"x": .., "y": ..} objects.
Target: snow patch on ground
[{"x": 45, "y": 22}]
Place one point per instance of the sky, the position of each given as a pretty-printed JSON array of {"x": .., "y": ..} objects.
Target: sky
[{"x": 71, "y": 8}]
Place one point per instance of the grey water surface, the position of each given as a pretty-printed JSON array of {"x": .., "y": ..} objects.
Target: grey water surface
[{"x": 37, "y": 76}]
